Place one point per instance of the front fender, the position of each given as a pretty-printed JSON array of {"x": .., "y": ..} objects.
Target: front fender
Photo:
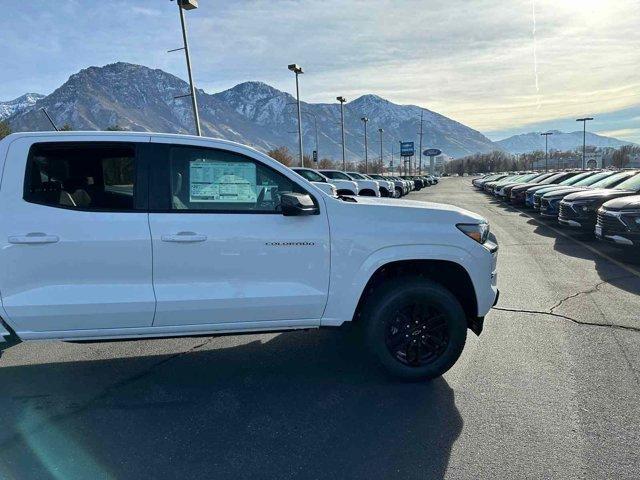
[{"x": 344, "y": 293}]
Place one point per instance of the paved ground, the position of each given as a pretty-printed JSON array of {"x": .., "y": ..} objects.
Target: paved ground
[{"x": 540, "y": 394}]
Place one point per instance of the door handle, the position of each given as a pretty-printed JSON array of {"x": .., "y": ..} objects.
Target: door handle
[
  {"x": 184, "y": 237},
  {"x": 34, "y": 238}
]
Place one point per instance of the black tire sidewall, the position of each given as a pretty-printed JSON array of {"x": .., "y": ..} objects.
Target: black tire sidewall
[{"x": 386, "y": 302}]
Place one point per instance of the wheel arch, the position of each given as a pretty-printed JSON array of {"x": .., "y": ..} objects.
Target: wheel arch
[{"x": 451, "y": 275}]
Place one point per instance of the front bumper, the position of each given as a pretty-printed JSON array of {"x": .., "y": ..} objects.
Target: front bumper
[{"x": 610, "y": 228}]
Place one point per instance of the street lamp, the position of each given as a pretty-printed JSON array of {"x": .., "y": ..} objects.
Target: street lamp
[
  {"x": 297, "y": 69},
  {"x": 584, "y": 139},
  {"x": 546, "y": 150},
  {"x": 366, "y": 148},
  {"x": 381, "y": 131},
  {"x": 342, "y": 101},
  {"x": 188, "y": 5}
]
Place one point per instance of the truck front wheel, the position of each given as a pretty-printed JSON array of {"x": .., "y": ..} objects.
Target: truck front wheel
[{"x": 415, "y": 328}]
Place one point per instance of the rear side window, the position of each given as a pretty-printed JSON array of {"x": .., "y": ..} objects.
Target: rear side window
[{"x": 83, "y": 177}]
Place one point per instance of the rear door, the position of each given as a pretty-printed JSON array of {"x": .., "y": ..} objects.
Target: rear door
[
  {"x": 223, "y": 254},
  {"x": 76, "y": 246}
]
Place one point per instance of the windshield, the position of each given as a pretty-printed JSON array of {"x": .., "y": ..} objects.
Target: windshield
[
  {"x": 335, "y": 175},
  {"x": 310, "y": 175},
  {"x": 356, "y": 175},
  {"x": 590, "y": 180},
  {"x": 576, "y": 178},
  {"x": 632, "y": 184},
  {"x": 552, "y": 178},
  {"x": 613, "y": 180}
]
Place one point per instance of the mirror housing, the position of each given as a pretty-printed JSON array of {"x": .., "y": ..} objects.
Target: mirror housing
[{"x": 297, "y": 204}]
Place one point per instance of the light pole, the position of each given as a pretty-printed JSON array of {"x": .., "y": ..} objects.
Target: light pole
[
  {"x": 297, "y": 69},
  {"x": 188, "y": 5},
  {"x": 366, "y": 147},
  {"x": 342, "y": 101},
  {"x": 584, "y": 139},
  {"x": 546, "y": 150},
  {"x": 420, "y": 162},
  {"x": 381, "y": 131}
]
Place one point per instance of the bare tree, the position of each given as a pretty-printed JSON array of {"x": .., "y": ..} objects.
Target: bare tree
[
  {"x": 622, "y": 156},
  {"x": 282, "y": 155},
  {"x": 5, "y": 130}
]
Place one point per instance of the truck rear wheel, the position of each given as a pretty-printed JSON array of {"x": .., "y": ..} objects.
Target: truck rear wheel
[{"x": 415, "y": 328}]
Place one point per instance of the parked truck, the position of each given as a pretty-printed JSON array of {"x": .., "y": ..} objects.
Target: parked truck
[{"x": 114, "y": 235}]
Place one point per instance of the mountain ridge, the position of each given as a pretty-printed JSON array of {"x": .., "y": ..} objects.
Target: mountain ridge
[{"x": 140, "y": 98}]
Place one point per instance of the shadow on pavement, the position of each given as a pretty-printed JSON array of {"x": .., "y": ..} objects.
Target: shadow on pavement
[
  {"x": 607, "y": 270},
  {"x": 304, "y": 405}
]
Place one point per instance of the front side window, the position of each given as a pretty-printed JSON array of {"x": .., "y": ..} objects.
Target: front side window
[
  {"x": 212, "y": 180},
  {"x": 83, "y": 177}
]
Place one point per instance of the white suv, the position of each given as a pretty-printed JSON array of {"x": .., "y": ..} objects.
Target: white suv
[
  {"x": 343, "y": 187},
  {"x": 367, "y": 188},
  {"x": 112, "y": 235}
]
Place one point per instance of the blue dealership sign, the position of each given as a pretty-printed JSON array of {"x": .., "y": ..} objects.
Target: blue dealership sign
[{"x": 407, "y": 149}]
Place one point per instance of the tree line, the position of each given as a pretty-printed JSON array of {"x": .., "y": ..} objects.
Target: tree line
[
  {"x": 288, "y": 159},
  {"x": 500, "y": 161}
]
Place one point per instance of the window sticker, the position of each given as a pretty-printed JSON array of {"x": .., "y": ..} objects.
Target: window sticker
[{"x": 226, "y": 182}]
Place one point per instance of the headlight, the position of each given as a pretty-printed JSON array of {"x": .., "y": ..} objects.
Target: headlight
[
  {"x": 631, "y": 219},
  {"x": 476, "y": 231}
]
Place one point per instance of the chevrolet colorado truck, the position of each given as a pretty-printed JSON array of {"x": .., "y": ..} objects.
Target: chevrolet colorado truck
[{"x": 116, "y": 235}]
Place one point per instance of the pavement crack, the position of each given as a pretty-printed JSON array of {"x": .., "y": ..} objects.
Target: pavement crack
[
  {"x": 565, "y": 317},
  {"x": 592, "y": 289}
]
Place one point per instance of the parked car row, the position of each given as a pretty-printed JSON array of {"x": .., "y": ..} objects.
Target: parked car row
[
  {"x": 336, "y": 182},
  {"x": 605, "y": 203}
]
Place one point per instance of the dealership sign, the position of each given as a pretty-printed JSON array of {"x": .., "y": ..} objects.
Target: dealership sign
[
  {"x": 431, "y": 152},
  {"x": 407, "y": 149}
]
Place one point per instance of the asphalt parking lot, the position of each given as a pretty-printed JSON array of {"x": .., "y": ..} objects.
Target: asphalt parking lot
[{"x": 550, "y": 390}]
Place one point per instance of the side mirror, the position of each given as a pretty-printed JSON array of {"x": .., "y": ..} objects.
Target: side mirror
[{"x": 296, "y": 204}]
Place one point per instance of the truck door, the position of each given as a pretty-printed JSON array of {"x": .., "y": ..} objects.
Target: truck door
[
  {"x": 74, "y": 237},
  {"x": 223, "y": 254}
]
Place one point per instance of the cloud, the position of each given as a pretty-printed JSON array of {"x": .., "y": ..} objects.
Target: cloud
[{"x": 472, "y": 61}]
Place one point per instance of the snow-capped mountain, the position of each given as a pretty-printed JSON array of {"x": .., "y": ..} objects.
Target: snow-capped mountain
[
  {"x": 18, "y": 105},
  {"x": 530, "y": 142},
  {"x": 143, "y": 99}
]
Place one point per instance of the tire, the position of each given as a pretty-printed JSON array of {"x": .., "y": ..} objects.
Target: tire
[
  {"x": 407, "y": 307},
  {"x": 399, "y": 192}
]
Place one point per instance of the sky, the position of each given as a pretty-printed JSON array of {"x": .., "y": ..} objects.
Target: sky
[{"x": 482, "y": 63}]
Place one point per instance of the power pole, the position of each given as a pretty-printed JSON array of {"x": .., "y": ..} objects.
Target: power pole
[
  {"x": 381, "y": 160},
  {"x": 584, "y": 139},
  {"x": 342, "y": 101},
  {"x": 546, "y": 150},
  {"x": 366, "y": 147}
]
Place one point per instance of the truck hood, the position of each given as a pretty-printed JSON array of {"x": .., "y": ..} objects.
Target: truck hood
[
  {"x": 624, "y": 203},
  {"x": 457, "y": 214}
]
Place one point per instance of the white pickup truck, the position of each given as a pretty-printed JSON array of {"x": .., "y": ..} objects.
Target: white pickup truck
[{"x": 112, "y": 235}]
